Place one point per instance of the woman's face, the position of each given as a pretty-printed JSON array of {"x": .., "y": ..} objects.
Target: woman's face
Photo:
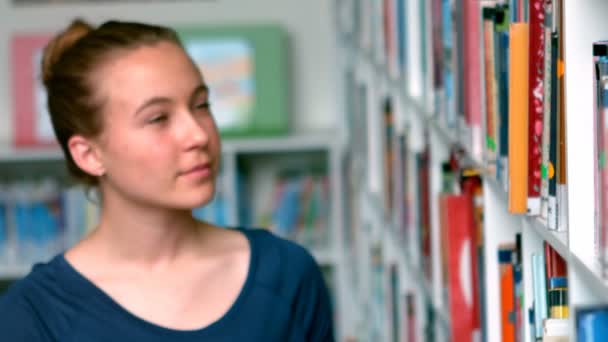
[{"x": 160, "y": 145}]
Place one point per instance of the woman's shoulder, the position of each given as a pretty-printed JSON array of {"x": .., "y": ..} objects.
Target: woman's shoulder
[
  {"x": 273, "y": 247},
  {"x": 26, "y": 299},
  {"x": 293, "y": 273},
  {"x": 278, "y": 260},
  {"x": 40, "y": 275}
]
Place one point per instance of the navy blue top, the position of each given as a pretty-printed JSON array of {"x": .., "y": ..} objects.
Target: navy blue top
[{"x": 284, "y": 298}]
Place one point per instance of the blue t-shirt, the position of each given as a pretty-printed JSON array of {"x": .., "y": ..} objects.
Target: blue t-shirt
[{"x": 284, "y": 298}]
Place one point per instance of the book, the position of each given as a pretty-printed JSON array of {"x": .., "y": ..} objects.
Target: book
[
  {"x": 547, "y": 100},
  {"x": 393, "y": 303},
  {"x": 507, "y": 295},
  {"x": 458, "y": 234},
  {"x": 471, "y": 185},
  {"x": 556, "y": 330},
  {"x": 518, "y": 118},
  {"x": 553, "y": 148},
  {"x": 539, "y": 285},
  {"x": 536, "y": 60},
  {"x": 389, "y": 157},
  {"x": 491, "y": 116},
  {"x": 424, "y": 209},
  {"x": 562, "y": 187},
  {"x": 472, "y": 74},
  {"x": 592, "y": 323},
  {"x": 410, "y": 318},
  {"x": 600, "y": 57},
  {"x": 501, "y": 27}
]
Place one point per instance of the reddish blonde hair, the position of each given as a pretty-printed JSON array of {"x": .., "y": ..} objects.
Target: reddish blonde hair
[{"x": 68, "y": 65}]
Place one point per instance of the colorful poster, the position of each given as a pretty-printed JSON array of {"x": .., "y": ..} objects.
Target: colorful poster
[
  {"x": 31, "y": 120},
  {"x": 228, "y": 68}
]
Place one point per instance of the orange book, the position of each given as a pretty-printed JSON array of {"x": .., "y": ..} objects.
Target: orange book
[
  {"x": 507, "y": 295},
  {"x": 518, "y": 118}
]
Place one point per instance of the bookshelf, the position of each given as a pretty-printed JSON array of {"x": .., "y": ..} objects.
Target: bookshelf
[{"x": 368, "y": 61}]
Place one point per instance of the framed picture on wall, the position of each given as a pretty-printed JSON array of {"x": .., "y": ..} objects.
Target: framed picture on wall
[
  {"x": 247, "y": 70},
  {"x": 31, "y": 121}
]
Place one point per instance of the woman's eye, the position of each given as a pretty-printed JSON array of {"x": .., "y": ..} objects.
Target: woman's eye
[
  {"x": 158, "y": 119},
  {"x": 204, "y": 105}
]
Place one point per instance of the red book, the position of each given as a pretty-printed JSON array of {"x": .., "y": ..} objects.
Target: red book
[
  {"x": 471, "y": 186},
  {"x": 535, "y": 103},
  {"x": 471, "y": 77},
  {"x": 556, "y": 265},
  {"x": 458, "y": 238},
  {"x": 388, "y": 16}
]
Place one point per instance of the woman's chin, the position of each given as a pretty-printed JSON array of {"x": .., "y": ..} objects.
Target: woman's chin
[{"x": 196, "y": 200}]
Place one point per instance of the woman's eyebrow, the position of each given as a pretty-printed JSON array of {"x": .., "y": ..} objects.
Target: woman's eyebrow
[
  {"x": 152, "y": 101},
  {"x": 202, "y": 88}
]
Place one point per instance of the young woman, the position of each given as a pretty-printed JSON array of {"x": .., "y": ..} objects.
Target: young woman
[{"x": 131, "y": 113}]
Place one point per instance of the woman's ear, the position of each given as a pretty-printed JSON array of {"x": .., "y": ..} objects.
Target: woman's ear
[{"x": 86, "y": 155}]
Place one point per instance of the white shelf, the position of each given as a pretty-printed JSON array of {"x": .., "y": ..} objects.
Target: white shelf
[
  {"x": 557, "y": 240},
  {"x": 38, "y": 154},
  {"x": 290, "y": 143},
  {"x": 590, "y": 273},
  {"x": 324, "y": 256},
  {"x": 14, "y": 271}
]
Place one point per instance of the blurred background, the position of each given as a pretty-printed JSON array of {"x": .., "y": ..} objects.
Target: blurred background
[{"x": 385, "y": 137}]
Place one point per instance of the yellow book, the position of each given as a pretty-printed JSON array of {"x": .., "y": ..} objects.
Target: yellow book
[{"x": 518, "y": 117}]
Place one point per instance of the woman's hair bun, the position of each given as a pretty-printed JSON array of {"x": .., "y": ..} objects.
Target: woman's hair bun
[{"x": 60, "y": 44}]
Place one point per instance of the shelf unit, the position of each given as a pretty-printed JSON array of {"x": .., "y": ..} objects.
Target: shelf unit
[{"x": 410, "y": 92}]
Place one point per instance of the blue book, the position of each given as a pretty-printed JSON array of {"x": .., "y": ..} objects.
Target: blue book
[
  {"x": 402, "y": 34},
  {"x": 592, "y": 324}
]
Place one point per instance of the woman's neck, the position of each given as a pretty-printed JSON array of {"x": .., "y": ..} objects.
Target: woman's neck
[{"x": 145, "y": 235}]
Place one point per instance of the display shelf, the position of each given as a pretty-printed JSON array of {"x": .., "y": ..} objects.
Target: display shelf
[
  {"x": 414, "y": 271},
  {"x": 30, "y": 154},
  {"x": 590, "y": 273},
  {"x": 557, "y": 239},
  {"x": 14, "y": 271},
  {"x": 289, "y": 143},
  {"x": 324, "y": 256}
]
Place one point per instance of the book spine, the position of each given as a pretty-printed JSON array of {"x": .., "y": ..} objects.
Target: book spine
[
  {"x": 518, "y": 117},
  {"x": 472, "y": 74},
  {"x": 507, "y": 301},
  {"x": 490, "y": 98},
  {"x": 553, "y": 145},
  {"x": 540, "y": 295},
  {"x": 546, "y": 141},
  {"x": 562, "y": 188},
  {"x": 535, "y": 103}
]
